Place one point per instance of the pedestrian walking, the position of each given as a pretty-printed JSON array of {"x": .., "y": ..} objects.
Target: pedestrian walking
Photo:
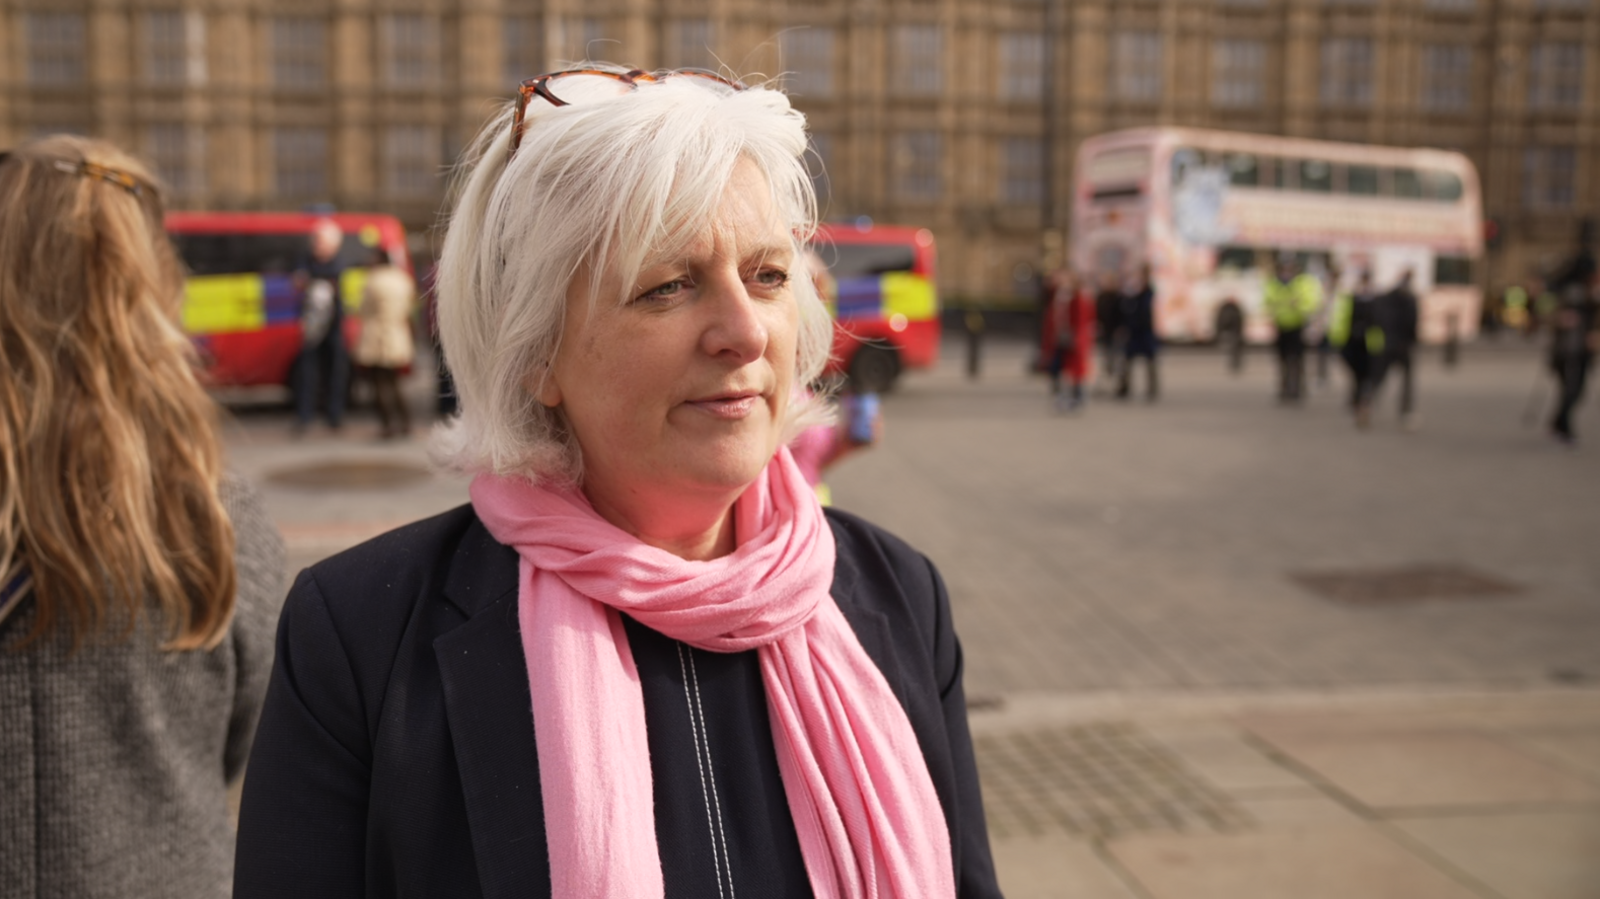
[
  {"x": 1317, "y": 326},
  {"x": 1396, "y": 313},
  {"x": 1574, "y": 340},
  {"x": 322, "y": 370},
  {"x": 1355, "y": 331},
  {"x": 1291, "y": 298},
  {"x": 1140, "y": 340},
  {"x": 1108, "y": 326},
  {"x": 1070, "y": 326},
  {"x": 139, "y": 578},
  {"x": 644, "y": 661},
  {"x": 386, "y": 344}
]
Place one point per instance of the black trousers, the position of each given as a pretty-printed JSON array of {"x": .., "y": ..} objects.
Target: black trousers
[
  {"x": 1291, "y": 363},
  {"x": 1152, "y": 377},
  {"x": 1359, "y": 361},
  {"x": 1390, "y": 359},
  {"x": 393, "y": 415},
  {"x": 1572, "y": 374}
]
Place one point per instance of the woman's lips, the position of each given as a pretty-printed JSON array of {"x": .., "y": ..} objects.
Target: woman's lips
[{"x": 731, "y": 408}]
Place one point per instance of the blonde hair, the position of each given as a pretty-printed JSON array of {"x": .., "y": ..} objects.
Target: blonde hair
[
  {"x": 109, "y": 456},
  {"x": 615, "y": 178}
]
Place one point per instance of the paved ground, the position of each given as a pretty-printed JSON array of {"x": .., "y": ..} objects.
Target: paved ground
[
  {"x": 1163, "y": 708},
  {"x": 1151, "y": 547}
]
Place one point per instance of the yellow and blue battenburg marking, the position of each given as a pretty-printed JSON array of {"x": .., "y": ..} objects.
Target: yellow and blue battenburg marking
[
  {"x": 228, "y": 304},
  {"x": 886, "y": 295}
]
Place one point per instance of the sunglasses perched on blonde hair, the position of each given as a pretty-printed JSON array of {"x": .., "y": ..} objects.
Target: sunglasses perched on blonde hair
[
  {"x": 545, "y": 86},
  {"x": 89, "y": 169}
]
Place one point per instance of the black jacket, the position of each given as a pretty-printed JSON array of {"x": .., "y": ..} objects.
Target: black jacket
[
  {"x": 1397, "y": 315},
  {"x": 396, "y": 754}
]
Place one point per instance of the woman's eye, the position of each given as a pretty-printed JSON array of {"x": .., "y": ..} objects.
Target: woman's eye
[
  {"x": 772, "y": 278},
  {"x": 664, "y": 291}
]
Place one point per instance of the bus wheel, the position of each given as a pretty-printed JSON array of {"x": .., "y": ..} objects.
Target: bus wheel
[
  {"x": 1230, "y": 335},
  {"x": 874, "y": 369}
]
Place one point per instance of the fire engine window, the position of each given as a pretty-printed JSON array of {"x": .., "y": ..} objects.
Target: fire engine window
[{"x": 866, "y": 260}]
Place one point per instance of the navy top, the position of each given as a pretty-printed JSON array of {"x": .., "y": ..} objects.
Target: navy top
[{"x": 722, "y": 818}]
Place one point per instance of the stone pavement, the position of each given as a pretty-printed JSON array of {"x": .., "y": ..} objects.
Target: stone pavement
[
  {"x": 1380, "y": 795},
  {"x": 1135, "y": 547},
  {"x": 1215, "y": 648}
]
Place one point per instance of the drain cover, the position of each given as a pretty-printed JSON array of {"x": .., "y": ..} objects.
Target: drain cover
[
  {"x": 1381, "y": 586},
  {"x": 351, "y": 474},
  {"x": 1094, "y": 780}
]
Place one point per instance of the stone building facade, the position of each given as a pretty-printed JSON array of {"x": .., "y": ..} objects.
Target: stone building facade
[{"x": 960, "y": 115}]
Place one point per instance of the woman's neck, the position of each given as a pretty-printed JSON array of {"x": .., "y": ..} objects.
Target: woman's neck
[{"x": 693, "y": 531}]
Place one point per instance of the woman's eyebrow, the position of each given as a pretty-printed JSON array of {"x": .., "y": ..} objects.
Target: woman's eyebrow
[{"x": 767, "y": 251}]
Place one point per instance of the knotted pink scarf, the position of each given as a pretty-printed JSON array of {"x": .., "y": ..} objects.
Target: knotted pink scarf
[{"x": 869, "y": 822}]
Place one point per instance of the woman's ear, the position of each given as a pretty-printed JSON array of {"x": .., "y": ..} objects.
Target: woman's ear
[{"x": 541, "y": 384}]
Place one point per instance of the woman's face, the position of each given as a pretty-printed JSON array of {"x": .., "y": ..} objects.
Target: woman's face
[{"x": 679, "y": 394}]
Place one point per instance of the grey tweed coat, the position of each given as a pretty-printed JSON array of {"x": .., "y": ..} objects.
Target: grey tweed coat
[{"x": 115, "y": 760}]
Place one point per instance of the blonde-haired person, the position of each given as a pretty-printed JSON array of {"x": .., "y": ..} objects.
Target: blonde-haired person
[
  {"x": 140, "y": 581},
  {"x": 386, "y": 344},
  {"x": 643, "y": 662}
]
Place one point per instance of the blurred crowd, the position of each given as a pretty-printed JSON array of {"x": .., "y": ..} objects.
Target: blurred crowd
[{"x": 1315, "y": 315}]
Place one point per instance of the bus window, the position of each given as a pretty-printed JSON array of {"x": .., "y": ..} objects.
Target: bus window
[
  {"x": 1452, "y": 270},
  {"x": 1316, "y": 175},
  {"x": 1242, "y": 258},
  {"x": 1407, "y": 184},
  {"x": 1243, "y": 169},
  {"x": 1361, "y": 180},
  {"x": 1445, "y": 186}
]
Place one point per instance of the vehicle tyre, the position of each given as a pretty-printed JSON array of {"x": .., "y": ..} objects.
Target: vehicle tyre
[
  {"x": 1230, "y": 335},
  {"x": 874, "y": 369}
]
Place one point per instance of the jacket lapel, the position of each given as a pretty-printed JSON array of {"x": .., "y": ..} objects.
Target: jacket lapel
[
  {"x": 871, "y": 626},
  {"x": 489, "y": 708}
]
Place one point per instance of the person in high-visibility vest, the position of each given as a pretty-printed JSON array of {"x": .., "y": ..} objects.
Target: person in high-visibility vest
[
  {"x": 1353, "y": 329},
  {"x": 1514, "y": 308},
  {"x": 1291, "y": 299}
]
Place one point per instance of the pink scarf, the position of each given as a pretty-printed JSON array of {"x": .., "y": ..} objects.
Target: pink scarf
[{"x": 869, "y": 822}]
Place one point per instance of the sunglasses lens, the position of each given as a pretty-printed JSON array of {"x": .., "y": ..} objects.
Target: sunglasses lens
[
  {"x": 713, "y": 78},
  {"x": 576, "y": 87}
]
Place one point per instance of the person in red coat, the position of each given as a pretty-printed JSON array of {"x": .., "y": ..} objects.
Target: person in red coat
[{"x": 1069, "y": 339}]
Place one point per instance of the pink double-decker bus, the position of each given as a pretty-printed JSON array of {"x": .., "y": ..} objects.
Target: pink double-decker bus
[{"x": 1212, "y": 212}]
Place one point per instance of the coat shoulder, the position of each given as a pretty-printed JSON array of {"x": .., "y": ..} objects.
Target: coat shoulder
[
  {"x": 450, "y": 554},
  {"x": 887, "y": 574}
]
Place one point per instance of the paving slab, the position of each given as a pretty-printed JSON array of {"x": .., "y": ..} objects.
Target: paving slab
[
  {"x": 1394, "y": 771},
  {"x": 1578, "y": 751},
  {"x": 1220, "y": 754},
  {"x": 1314, "y": 862},
  {"x": 1536, "y": 855},
  {"x": 1056, "y": 867},
  {"x": 1294, "y": 808}
]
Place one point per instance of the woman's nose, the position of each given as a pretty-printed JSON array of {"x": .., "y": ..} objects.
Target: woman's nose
[{"x": 735, "y": 328}]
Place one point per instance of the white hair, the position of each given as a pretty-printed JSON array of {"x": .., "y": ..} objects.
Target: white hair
[{"x": 605, "y": 184}]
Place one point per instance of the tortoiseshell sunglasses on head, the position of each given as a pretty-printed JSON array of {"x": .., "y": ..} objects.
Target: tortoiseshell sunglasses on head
[
  {"x": 89, "y": 169},
  {"x": 541, "y": 86}
]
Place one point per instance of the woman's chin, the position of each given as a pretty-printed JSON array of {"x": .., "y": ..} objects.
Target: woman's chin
[{"x": 732, "y": 470}]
